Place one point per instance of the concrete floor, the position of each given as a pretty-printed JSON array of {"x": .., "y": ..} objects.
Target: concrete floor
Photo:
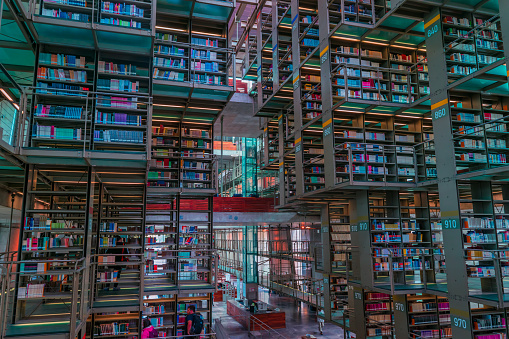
[{"x": 300, "y": 319}]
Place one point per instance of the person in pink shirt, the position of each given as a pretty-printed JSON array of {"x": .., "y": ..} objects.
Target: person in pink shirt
[{"x": 148, "y": 330}]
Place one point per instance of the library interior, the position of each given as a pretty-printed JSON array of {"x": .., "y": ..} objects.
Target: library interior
[{"x": 234, "y": 169}]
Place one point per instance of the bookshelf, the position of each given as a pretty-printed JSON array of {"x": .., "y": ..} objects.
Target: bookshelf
[
  {"x": 122, "y": 107},
  {"x": 118, "y": 255},
  {"x": 379, "y": 313},
  {"x": 61, "y": 113},
  {"x": 181, "y": 155},
  {"x": 133, "y": 14},
  {"x": 53, "y": 246},
  {"x": 184, "y": 53},
  {"x": 429, "y": 316}
]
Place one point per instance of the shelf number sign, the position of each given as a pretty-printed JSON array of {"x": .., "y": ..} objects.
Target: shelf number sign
[
  {"x": 439, "y": 113},
  {"x": 399, "y": 307},
  {"x": 327, "y": 131},
  {"x": 357, "y": 295},
  {"x": 431, "y": 26},
  {"x": 363, "y": 226},
  {"x": 432, "y": 30},
  {"x": 450, "y": 224},
  {"x": 354, "y": 228},
  {"x": 459, "y": 322}
]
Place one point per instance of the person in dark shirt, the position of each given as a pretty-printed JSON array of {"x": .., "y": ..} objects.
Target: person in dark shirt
[{"x": 191, "y": 310}]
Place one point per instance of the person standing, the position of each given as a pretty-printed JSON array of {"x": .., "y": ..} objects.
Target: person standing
[
  {"x": 148, "y": 330},
  {"x": 194, "y": 323}
]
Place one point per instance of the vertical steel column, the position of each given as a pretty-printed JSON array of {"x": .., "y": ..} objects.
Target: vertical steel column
[
  {"x": 446, "y": 171},
  {"x": 281, "y": 161},
  {"x": 503, "y": 6},
  {"x": 275, "y": 48},
  {"x": 326, "y": 88},
  {"x": 297, "y": 96},
  {"x": 361, "y": 241},
  {"x": 401, "y": 322},
  {"x": 89, "y": 219},
  {"x": 259, "y": 58},
  {"x": 326, "y": 257},
  {"x": 361, "y": 261}
]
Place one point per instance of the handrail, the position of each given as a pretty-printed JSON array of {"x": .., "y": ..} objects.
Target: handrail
[{"x": 255, "y": 321}]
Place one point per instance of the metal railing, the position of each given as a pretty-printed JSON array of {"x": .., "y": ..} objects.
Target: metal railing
[
  {"x": 254, "y": 324},
  {"x": 87, "y": 127},
  {"x": 71, "y": 290}
]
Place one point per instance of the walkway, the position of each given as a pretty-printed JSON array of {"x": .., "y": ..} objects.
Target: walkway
[{"x": 300, "y": 319}]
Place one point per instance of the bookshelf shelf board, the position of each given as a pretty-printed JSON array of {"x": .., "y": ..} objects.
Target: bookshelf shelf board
[
  {"x": 62, "y": 141},
  {"x": 128, "y": 76},
  {"x": 124, "y": 16},
  {"x": 88, "y": 69},
  {"x": 56, "y": 250},
  {"x": 61, "y": 120},
  {"x": 59, "y": 97},
  {"x": 62, "y": 6},
  {"x": 67, "y": 82},
  {"x": 112, "y": 91},
  {"x": 61, "y": 230},
  {"x": 119, "y": 126},
  {"x": 42, "y": 211},
  {"x": 121, "y": 109}
]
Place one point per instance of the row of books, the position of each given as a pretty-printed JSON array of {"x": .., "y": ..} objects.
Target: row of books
[
  {"x": 162, "y": 130},
  {"x": 497, "y": 158},
  {"x": 45, "y": 243},
  {"x": 472, "y": 237},
  {"x": 121, "y": 8},
  {"x": 471, "y": 143},
  {"x": 428, "y": 306},
  {"x": 120, "y": 136},
  {"x": 61, "y": 74},
  {"x": 111, "y": 276},
  {"x": 152, "y": 229},
  {"x": 111, "y": 67},
  {"x": 199, "y": 143},
  {"x": 465, "y": 58},
  {"x": 173, "y": 63},
  {"x": 205, "y": 42},
  {"x": 108, "y": 227},
  {"x": 167, "y": 37},
  {"x": 31, "y": 291},
  {"x": 169, "y": 50},
  {"x": 57, "y": 133},
  {"x": 363, "y": 169},
  {"x": 159, "y": 309},
  {"x": 117, "y": 102},
  {"x": 58, "y": 13},
  {"x": 207, "y": 79},
  {"x": 122, "y": 23},
  {"x": 118, "y": 85},
  {"x": 117, "y": 119},
  {"x": 36, "y": 267},
  {"x": 168, "y": 75},
  {"x": 186, "y": 164},
  {"x": 62, "y": 59},
  {"x": 386, "y": 237},
  {"x": 205, "y": 66},
  {"x": 461, "y": 70},
  {"x": 195, "y": 133},
  {"x": 58, "y": 111},
  {"x": 43, "y": 223},
  {"x": 456, "y": 21},
  {"x": 195, "y": 176},
  {"x": 205, "y": 55},
  {"x": 111, "y": 329},
  {"x": 488, "y": 321}
]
